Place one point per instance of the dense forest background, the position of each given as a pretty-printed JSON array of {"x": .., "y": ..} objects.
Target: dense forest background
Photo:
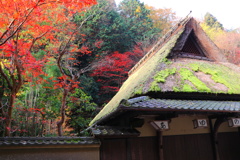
[{"x": 58, "y": 68}]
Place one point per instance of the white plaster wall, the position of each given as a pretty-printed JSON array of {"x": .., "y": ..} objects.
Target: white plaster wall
[{"x": 181, "y": 125}]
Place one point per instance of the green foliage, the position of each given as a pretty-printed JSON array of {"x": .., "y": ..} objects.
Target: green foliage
[
  {"x": 119, "y": 29},
  {"x": 212, "y": 21},
  {"x": 186, "y": 74},
  {"x": 163, "y": 74},
  {"x": 80, "y": 112},
  {"x": 125, "y": 26},
  {"x": 212, "y": 27},
  {"x": 37, "y": 106},
  {"x": 106, "y": 25},
  {"x": 39, "y": 55},
  {"x": 4, "y": 93},
  {"x": 138, "y": 21},
  {"x": 212, "y": 33},
  {"x": 51, "y": 69},
  {"x": 89, "y": 86}
]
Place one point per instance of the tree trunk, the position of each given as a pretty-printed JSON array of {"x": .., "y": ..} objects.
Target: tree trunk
[
  {"x": 62, "y": 111},
  {"x": 9, "y": 116}
]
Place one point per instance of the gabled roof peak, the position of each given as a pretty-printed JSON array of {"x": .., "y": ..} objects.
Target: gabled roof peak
[
  {"x": 192, "y": 43},
  {"x": 161, "y": 42},
  {"x": 189, "y": 46}
]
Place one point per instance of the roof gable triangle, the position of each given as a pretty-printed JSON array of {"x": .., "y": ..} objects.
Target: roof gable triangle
[{"x": 189, "y": 46}]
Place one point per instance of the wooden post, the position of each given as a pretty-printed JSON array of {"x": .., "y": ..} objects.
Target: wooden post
[
  {"x": 160, "y": 145},
  {"x": 238, "y": 131},
  {"x": 214, "y": 132},
  {"x": 213, "y": 141},
  {"x": 128, "y": 148}
]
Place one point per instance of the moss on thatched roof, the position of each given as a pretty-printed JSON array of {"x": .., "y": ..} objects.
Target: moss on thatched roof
[
  {"x": 136, "y": 82},
  {"x": 159, "y": 74}
]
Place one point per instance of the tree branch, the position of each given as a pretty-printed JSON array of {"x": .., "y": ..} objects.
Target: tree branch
[
  {"x": 18, "y": 27},
  {"x": 5, "y": 77},
  {"x": 9, "y": 26},
  {"x": 37, "y": 38},
  {"x": 64, "y": 50}
]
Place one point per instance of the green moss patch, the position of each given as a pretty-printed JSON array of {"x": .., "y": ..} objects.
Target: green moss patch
[
  {"x": 194, "y": 67},
  {"x": 184, "y": 88},
  {"x": 166, "y": 61},
  {"x": 163, "y": 74},
  {"x": 154, "y": 87},
  {"x": 220, "y": 74},
  {"x": 188, "y": 88},
  {"x": 186, "y": 74},
  {"x": 139, "y": 91}
]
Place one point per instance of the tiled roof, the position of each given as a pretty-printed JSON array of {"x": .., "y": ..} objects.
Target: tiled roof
[
  {"x": 47, "y": 141},
  {"x": 110, "y": 131},
  {"x": 196, "y": 105}
]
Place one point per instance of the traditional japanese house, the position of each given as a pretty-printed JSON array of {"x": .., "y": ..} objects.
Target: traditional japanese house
[{"x": 180, "y": 102}]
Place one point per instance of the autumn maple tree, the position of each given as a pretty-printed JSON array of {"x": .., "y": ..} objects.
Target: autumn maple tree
[
  {"x": 27, "y": 26},
  {"x": 114, "y": 70}
]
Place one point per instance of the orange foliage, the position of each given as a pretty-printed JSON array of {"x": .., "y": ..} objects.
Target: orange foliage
[
  {"x": 25, "y": 27},
  {"x": 28, "y": 24},
  {"x": 163, "y": 19},
  {"x": 229, "y": 42}
]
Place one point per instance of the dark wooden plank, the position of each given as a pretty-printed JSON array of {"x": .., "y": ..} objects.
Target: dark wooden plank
[
  {"x": 204, "y": 143},
  {"x": 181, "y": 147},
  {"x": 229, "y": 146},
  {"x": 113, "y": 149},
  {"x": 187, "y": 147},
  {"x": 144, "y": 148}
]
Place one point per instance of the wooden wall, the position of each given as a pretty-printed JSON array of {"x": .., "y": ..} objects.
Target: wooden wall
[
  {"x": 180, "y": 147},
  {"x": 188, "y": 147},
  {"x": 129, "y": 149}
]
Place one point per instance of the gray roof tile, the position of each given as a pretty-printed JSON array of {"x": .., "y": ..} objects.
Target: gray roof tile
[
  {"x": 47, "y": 141},
  {"x": 110, "y": 131},
  {"x": 195, "y": 105}
]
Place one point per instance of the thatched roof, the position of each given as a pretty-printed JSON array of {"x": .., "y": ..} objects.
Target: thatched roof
[{"x": 186, "y": 61}]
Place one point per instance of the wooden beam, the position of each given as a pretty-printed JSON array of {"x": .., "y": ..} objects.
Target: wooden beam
[{"x": 160, "y": 145}]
